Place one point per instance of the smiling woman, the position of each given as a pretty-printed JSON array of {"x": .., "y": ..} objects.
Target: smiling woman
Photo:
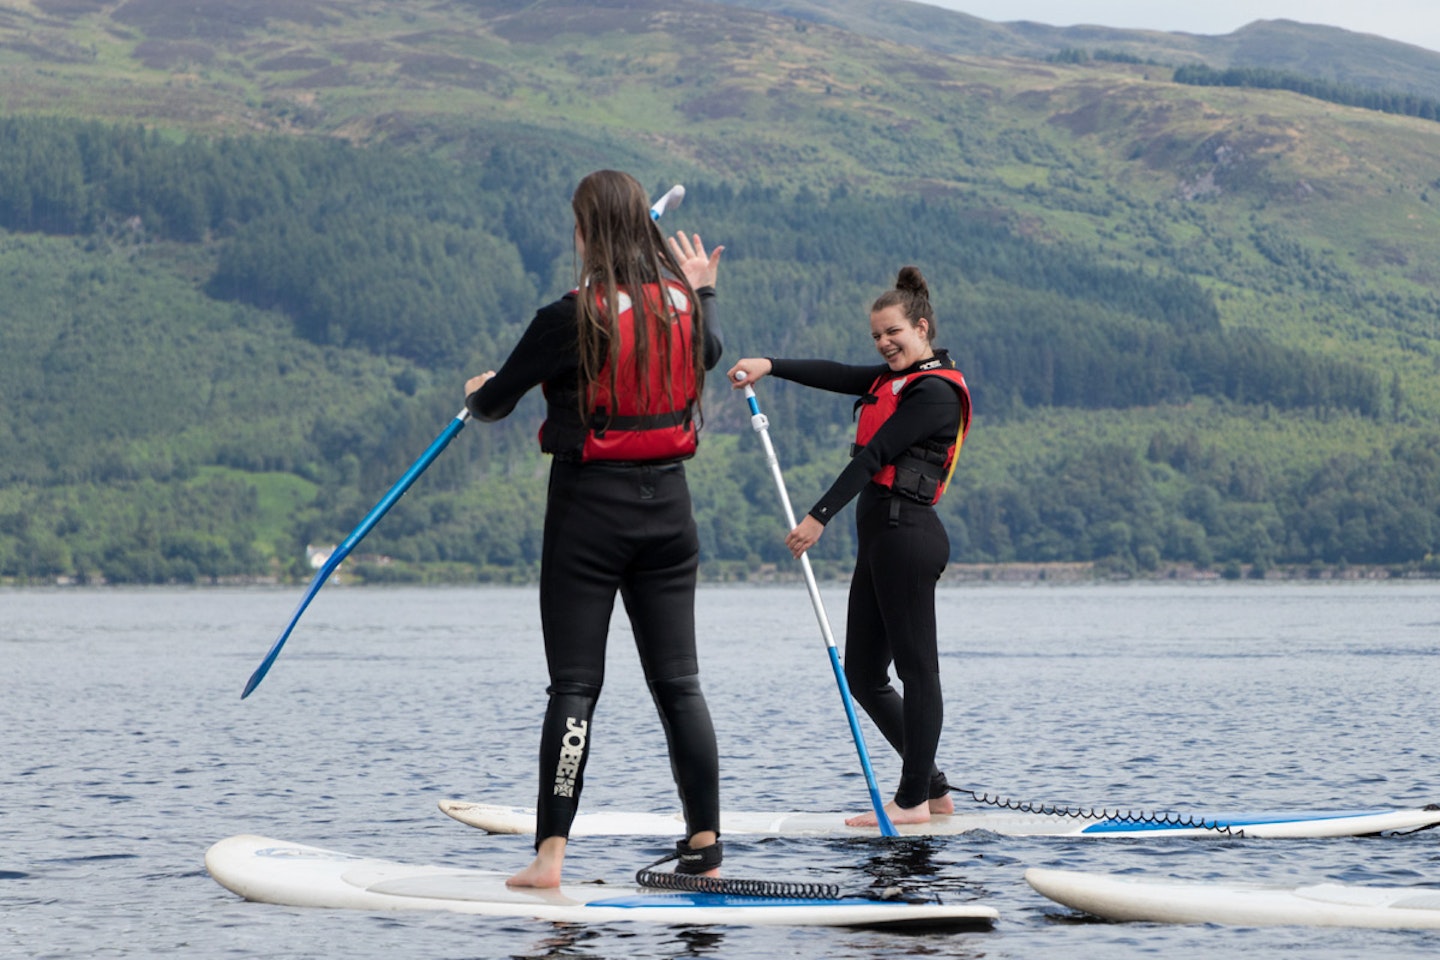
[{"x": 914, "y": 411}]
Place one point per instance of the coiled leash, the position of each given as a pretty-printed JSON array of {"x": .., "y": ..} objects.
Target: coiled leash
[
  {"x": 1143, "y": 817},
  {"x": 691, "y": 863}
]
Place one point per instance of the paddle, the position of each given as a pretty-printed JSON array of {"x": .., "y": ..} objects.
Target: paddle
[
  {"x": 669, "y": 201},
  {"x": 356, "y": 535},
  {"x": 761, "y": 425}
]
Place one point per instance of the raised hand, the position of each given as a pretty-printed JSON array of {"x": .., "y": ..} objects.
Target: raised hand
[{"x": 700, "y": 269}]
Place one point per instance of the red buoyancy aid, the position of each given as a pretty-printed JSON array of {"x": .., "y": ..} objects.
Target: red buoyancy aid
[
  {"x": 922, "y": 472},
  {"x": 653, "y": 420}
]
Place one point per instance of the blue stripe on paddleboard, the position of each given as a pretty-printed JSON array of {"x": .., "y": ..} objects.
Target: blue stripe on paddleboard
[
  {"x": 727, "y": 900},
  {"x": 1221, "y": 822}
]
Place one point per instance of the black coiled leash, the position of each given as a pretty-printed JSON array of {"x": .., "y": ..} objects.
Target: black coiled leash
[
  {"x": 1144, "y": 817},
  {"x": 691, "y": 863}
]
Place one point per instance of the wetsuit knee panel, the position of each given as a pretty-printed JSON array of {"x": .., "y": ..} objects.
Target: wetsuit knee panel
[
  {"x": 676, "y": 689},
  {"x": 682, "y": 707},
  {"x": 574, "y": 688}
]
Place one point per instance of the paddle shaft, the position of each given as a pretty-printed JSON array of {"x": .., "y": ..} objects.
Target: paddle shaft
[
  {"x": 343, "y": 550},
  {"x": 761, "y": 425}
]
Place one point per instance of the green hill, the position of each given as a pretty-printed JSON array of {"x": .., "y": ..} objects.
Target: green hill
[
  {"x": 1313, "y": 50},
  {"x": 250, "y": 252}
]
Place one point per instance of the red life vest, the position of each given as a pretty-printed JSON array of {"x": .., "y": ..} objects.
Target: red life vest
[
  {"x": 649, "y": 421},
  {"x": 922, "y": 472}
]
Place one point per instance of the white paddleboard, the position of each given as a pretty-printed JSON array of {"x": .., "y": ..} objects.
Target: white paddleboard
[
  {"x": 1304, "y": 824},
  {"x": 1251, "y": 905},
  {"x": 293, "y": 874}
]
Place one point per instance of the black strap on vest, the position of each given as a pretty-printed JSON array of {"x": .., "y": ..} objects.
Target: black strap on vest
[
  {"x": 920, "y": 470},
  {"x": 601, "y": 420}
]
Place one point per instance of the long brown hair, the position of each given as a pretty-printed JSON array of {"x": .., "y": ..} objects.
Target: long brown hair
[
  {"x": 623, "y": 250},
  {"x": 912, "y": 295}
]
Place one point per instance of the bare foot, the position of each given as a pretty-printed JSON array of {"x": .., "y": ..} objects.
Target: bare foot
[
  {"x": 920, "y": 814},
  {"x": 942, "y": 806},
  {"x": 544, "y": 870}
]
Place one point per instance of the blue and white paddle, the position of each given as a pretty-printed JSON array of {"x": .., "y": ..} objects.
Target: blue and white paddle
[{"x": 761, "y": 425}]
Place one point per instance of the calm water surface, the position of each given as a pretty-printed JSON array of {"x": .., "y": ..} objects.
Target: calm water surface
[{"x": 125, "y": 751}]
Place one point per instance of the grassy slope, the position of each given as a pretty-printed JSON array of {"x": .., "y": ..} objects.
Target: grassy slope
[{"x": 1309, "y": 49}]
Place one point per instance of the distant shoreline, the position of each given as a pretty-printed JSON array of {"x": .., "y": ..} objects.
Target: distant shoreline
[
  {"x": 830, "y": 572},
  {"x": 1084, "y": 572},
  {"x": 1093, "y": 572}
]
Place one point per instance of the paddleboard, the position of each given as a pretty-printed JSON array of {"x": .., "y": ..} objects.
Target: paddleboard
[
  {"x": 1251, "y": 905},
  {"x": 1302, "y": 824},
  {"x": 293, "y": 874}
]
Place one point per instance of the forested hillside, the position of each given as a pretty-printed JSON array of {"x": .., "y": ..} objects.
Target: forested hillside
[{"x": 1199, "y": 332}]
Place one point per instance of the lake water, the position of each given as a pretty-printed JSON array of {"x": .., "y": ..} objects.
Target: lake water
[{"x": 125, "y": 751}]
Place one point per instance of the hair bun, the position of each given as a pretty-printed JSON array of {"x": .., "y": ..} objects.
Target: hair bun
[{"x": 910, "y": 281}]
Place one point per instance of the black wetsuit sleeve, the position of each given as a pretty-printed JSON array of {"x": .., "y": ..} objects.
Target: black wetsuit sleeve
[
  {"x": 545, "y": 351},
  {"x": 828, "y": 375},
  {"x": 928, "y": 408},
  {"x": 710, "y": 323}
]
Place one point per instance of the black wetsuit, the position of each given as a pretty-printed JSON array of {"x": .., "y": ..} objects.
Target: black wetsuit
[
  {"x": 610, "y": 527},
  {"x": 902, "y": 550}
]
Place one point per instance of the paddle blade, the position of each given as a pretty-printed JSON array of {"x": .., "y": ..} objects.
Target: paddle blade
[
  {"x": 314, "y": 588},
  {"x": 670, "y": 201}
]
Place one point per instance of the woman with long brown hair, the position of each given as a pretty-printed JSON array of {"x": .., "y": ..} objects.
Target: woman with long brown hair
[{"x": 622, "y": 361}]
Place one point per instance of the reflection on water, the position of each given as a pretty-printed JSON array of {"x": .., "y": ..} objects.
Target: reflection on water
[
  {"x": 697, "y": 942},
  {"x": 904, "y": 862},
  {"x": 580, "y": 940}
]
